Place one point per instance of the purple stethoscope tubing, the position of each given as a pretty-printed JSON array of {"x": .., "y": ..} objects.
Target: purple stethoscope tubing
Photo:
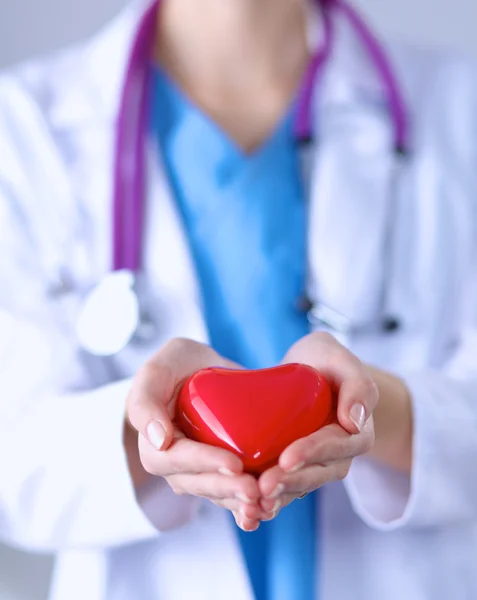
[{"x": 130, "y": 152}]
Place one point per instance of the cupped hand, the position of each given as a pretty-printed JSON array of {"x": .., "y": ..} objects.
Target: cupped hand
[
  {"x": 189, "y": 467},
  {"x": 326, "y": 455}
]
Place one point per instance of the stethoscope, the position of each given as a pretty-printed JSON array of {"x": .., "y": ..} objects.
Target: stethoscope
[{"x": 114, "y": 313}]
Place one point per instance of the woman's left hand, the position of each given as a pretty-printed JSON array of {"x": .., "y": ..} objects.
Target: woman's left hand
[{"x": 326, "y": 455}]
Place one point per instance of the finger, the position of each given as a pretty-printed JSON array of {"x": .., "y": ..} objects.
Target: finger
[
  {"x": 246, "y": 524},
  {"x": 272, "y": 507},
  {"x": 251, "y": 512},
  {"x": 270, "y": 484},
  {"x": 275, "y": 485},
  {"x": 323, "y": 352},
  {"x": 275, "y": 482},
  {"x": 242, "y": 488},
  {"x": 188, "y": 457},
  {"x": 330, "y": 444},
  {"x": 150, "y": 406},
  {"x": 147, "y": 402},
  {"x": 268, "y": 506},
  {"x": 358, "y": 394},
  {"x": 185, "y": 357},
  {"x": 309, "y": 479},
  {"x": 357, "y": 400}
]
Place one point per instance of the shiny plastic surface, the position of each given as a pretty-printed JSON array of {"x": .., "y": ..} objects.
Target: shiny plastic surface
[{"x": 255, "y": 414}]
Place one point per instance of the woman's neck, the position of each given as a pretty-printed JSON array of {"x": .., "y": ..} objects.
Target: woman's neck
[
  {"x": 227, "y": 40},
  {"x": 227, "y": 53}
]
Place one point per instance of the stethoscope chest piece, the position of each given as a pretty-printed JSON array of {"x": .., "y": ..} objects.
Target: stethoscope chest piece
[{"x": 110, "y": 315}]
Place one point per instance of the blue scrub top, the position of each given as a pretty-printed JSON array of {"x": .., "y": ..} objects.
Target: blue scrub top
[{"x": 245, "y": 218}]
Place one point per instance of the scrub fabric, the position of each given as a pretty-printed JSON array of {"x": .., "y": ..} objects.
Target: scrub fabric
[{"x": 245, "y": 219}]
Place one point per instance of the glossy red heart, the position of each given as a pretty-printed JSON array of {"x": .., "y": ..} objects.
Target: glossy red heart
[{"x": 255, "y": 414}]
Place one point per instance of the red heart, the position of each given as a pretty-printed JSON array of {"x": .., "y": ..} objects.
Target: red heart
[{"x": 255, "y": 414}]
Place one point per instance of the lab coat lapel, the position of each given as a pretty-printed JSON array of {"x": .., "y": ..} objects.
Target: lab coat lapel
[
  {"x": 169, "y": 288},
  {"x": 168, "y": 259},
  {"x": 215, "y": 564},
  {"x": 350, "y": 184},
  {"x": 90, "y": 95}
]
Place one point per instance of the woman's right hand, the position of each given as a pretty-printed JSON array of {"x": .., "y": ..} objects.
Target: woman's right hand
[{"x": 189, "y": 467}]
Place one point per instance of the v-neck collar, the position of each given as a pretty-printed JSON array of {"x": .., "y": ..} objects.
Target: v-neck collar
[{"x": 174, "y": 114}]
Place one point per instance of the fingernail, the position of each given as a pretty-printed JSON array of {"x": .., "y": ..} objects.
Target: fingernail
[
  {"x": 244, "y": 498},
  {"x": 156, "y": 434},
  {"x": 358, "y": 415},
  {"x": 276, "y": 506},
  {"x": 271, "y": 516},
  {"x": 252, "y": 529},
  {"x": 277, "y": 491},
  {"x": 227, "y": 472},
  {"x": 296, "y": 468}
]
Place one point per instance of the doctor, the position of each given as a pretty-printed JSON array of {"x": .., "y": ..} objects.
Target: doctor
[{"x": 272, "y": 184}]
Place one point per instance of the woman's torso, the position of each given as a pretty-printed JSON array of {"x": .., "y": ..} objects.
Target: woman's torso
[{"x": 434, "y": 224}]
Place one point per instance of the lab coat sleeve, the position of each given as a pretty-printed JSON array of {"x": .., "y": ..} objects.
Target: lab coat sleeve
[
  {"x": 64, "y": 478},
  {"x": 442, "y": 488}
]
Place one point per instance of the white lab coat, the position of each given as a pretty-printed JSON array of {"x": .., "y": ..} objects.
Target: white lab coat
[{"x": 64, "y": 482}]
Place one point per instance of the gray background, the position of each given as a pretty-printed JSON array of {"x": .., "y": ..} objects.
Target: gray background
[{"x": 28, "y": 27}]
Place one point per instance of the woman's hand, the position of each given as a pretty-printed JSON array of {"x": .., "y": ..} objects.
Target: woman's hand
[
  {"x": 326, "y": 455},
  {"x": 188, "y": 467}
]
